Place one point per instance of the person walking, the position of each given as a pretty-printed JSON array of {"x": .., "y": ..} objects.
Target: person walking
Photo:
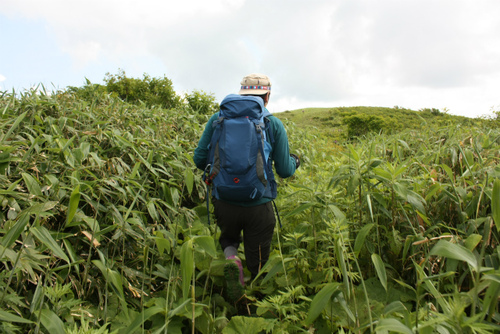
[{"x": 254, "y": 217}]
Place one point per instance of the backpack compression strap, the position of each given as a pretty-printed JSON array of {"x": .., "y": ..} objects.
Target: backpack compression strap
[
  {"x": 214, "y": 169},
  {"x": 207, "y": 181},
  {"x": 261, "y": 174}
]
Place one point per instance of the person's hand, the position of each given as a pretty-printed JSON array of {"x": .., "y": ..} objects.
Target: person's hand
[{"x": 297, "y": 160}]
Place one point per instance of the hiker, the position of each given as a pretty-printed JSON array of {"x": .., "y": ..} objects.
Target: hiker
[{"x": 255, "y": 217}]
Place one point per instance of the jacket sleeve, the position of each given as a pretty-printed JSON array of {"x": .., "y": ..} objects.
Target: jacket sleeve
[
  {"x": 201, "y": 152},
  {"x": 283, "y": 162}
]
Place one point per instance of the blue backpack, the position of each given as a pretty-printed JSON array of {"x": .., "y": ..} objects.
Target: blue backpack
[{"x": 239, "y": 164}]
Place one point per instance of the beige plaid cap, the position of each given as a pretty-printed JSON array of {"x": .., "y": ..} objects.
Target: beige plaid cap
[{"x": 255, "y": 84}]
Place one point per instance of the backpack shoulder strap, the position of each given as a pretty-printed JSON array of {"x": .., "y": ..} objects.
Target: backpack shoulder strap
[{"x": 269, "y": 131}]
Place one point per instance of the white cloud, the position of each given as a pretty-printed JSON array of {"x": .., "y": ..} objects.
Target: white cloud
[
  {"x": 349, "y": 52},
  {"x": 2, "y": 78}
]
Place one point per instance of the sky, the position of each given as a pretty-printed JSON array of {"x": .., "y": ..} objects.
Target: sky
[{"x": 414, "y": 54}]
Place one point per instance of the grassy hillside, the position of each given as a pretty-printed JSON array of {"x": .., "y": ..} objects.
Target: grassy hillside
[
  {"x": 337, "y": 121},
  {"x": 104, "y": 225}
]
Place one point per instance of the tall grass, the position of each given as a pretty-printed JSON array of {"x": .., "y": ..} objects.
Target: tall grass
[
  {"x": 420, "y": 210},
  {"x": 104, "y": 228},
  {"x": 95, "y": 195}
]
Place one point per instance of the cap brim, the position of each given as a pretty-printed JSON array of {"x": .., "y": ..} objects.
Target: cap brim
[{"x": 253, "y": 91}]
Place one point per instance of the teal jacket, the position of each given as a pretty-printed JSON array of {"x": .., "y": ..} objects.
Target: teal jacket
[{"x": 284, "y": 164}]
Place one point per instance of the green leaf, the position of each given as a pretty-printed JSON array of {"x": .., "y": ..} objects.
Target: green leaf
[
  {"x": 416, "y": 201},
  {"x": 162, "y": 243},
  {"x": 43, "y": 235},
  {"x": 179, "y": 309},
  {"x": 432, "y": 191},
  {"x": 72, "y": 254},
  {"x": 47, "y": 206},
  {"x": 383, "y": 174},
  {"x": 369, "y": 201},
  {"x": 37, "y": 298},
  {"x": 422, "y": 276},
  {"x": 32, "y": 184},
  {"x": 490, "y": 300},
  {"x": 347, "y": 309},
  {"x": 142, "y": 317},
  {"x": 102, "y": 268},
  {"x": 392, "y": 325},
  {"x": 276, "y": 267},
  {"x": 395, "y": 307},
  {"x": 354, "y": 155},
  {"x": 449, "y": 172},
  {"x": 68, "y": 143},
  {"x": 380, "y": 268},
  {"x": 23, "y": 220},
  {"x": 360, "y": 238},
  {"x": 472, "y": 241},
  {"x": 52, "y": 323},
  {"x": 15, "y": 231},
  {"x": 152, "y": 211},
  {"x": 320, "y": 301},
  {"x": 401, "y": 190},
  {"x": 244, "y": 325},
  {"x": 298, "y": 210},
  {"x": 116, "y": 283},
  {"x": 113, "y": 279},
  {"x": 189, "y": 178},
  {"x": 18, "y": 120},
  {"x": 9, "y": 317},
  {"x": 207, "y": 244},
  {"x": 492, "y": 278},
  {"x": 74, "y": 201},
  {"x": 453, "y": 251},
  {"x": 342, "y": 264},
  {"x": 404, "y": 144},
  {"x": 337, "y": 212},
  {"x": 91, "y": 222},
  {"x": 187, "y": 263},
  {"x": 495, "y": 203},
  {"x": 133, "y": 174}
]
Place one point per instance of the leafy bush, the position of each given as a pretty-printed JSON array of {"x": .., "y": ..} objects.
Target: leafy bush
[
  {"x": 151, "y": 91},
  {"x": 202, "y": 103},
  {"x": 359, "y": 125}
]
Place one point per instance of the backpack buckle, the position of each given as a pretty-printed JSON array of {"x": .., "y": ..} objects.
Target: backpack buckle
[
  {"x": 258, "y": 127},
  {"x": 206, "y": 177}
]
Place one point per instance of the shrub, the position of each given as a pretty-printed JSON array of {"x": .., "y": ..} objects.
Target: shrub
[
  {"x": 151, "y": 91},
  {"x": 202, "y": 103},
  {"x": 360, "y": 125}
]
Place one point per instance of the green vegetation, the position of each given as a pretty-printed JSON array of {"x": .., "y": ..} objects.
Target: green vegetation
[
  {"x": 352, "y": 122},
  {"x": 104, "y": 229},
  {"x": 150, "y": 92}
]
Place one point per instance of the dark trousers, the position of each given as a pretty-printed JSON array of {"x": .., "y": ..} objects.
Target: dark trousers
[{"x": 257, "y": 224}]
